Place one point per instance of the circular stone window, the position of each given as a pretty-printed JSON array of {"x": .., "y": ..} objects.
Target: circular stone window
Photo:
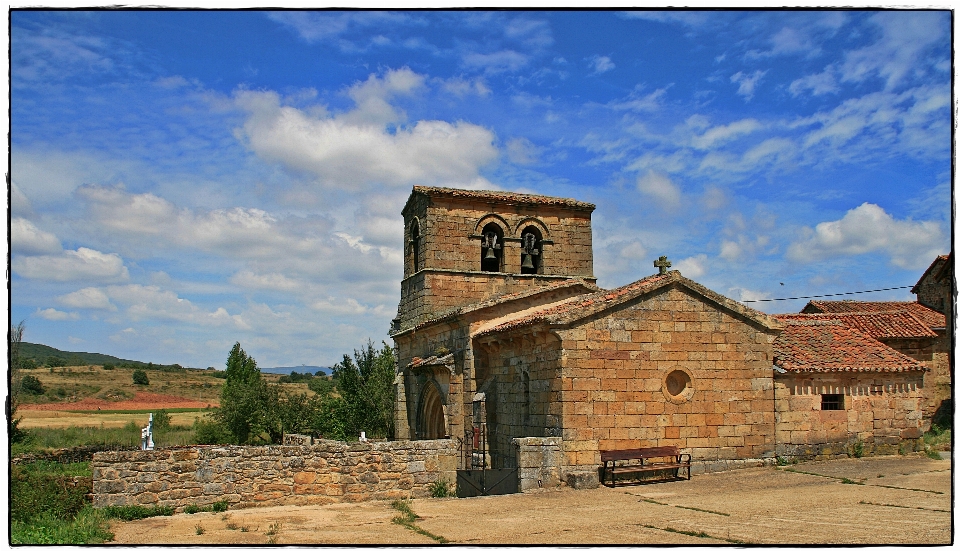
[{"x": 678, "y": 386}]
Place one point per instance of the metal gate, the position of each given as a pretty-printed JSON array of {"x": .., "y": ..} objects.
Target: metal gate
[{"x": 476, "y": 477}]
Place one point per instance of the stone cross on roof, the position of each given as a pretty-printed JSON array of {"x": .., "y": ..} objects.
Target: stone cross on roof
[{"x": 662, "y": 263}]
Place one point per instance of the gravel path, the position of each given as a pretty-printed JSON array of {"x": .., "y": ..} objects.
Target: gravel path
[{"x": 885, "y": 500}]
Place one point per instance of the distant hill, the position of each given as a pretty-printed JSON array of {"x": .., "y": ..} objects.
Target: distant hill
[
  {"x": 311, "y": 369},
  {"x": 40, "y": 353}
]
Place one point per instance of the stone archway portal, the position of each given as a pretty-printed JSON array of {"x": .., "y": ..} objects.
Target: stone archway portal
[{"x": 431, "y": 419}]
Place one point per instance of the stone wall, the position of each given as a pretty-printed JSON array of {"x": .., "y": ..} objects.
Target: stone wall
[
  {"x": 881, "y": 414},
  {"x": 538, "y": 462},
  {"x": 326, "y": 472},
  {"x": 616, "y": 382}
]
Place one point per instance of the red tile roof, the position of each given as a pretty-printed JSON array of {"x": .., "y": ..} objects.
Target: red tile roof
[
  {"x": 568, "y": 311},
  {"x": 829, "y": 345},
  {"x": 897, "y": 324},
  {"x": 931, "y": 318},
  {"x": 503, "y": 197}
]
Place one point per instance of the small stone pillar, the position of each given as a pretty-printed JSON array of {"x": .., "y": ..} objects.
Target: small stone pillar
[{"x": 538, "y": 462}]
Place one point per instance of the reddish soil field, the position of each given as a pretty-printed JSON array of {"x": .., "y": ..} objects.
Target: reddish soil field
[{"x": 140, "y": 401}]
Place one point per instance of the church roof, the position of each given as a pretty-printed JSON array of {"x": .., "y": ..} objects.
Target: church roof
[
  {"x": 931, "y": 318},
  {"x": 819, "y": 345},
  {"x": 454, "y": 313},
  {"x": 504, "y": 197},
  {"x": 896, "y": 324},
  {"x": 576, "y": 308}
]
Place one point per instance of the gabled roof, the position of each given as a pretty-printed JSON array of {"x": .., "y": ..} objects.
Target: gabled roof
[
  {"x": 931, "y": 318},
  {"x": 934, "y": 270},
  {"x": 504, "y": 197},
  {"x": 831, "y": 346},
  {"x": 897, "y": 324},
  {"x": 577, "y": 308},
  {"x": 573, "y": 285}
]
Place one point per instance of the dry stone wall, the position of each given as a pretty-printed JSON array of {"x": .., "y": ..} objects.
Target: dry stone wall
[{"x": 326, "y": 472}]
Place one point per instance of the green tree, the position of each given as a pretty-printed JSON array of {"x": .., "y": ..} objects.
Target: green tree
[
  {"x": 365, "y": 383},
  {"x": 244, "y": 399},
  {"x": 31, "y": 385},
  {"x": 140, "y": 377}
]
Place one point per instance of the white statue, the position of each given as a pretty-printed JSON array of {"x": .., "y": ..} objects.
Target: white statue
[{"x": 146, "y": 435}]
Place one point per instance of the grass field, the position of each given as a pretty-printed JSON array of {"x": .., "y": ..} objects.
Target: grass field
[
  {"x": 66, "y": 384},
  {"x": 38, "y": 419}
]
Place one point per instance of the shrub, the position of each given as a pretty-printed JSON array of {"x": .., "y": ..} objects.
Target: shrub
[
  {"x": 109, "y": 367},
  {"x": 210, "y": 432},
  {"x": 439, "y": 488},
  {"x": 161, "y": 420},
  {"x": 54, "y": 361},
  {"x": 45, "y": 489},
  {"x": 140, "y": 377},
  {"x": 220, "y": 506},
  {"x": 857, "y": 449},
  {"x": 31, "y": 385}
]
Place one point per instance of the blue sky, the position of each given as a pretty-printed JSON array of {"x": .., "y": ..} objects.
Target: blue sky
[{"x": 186, "y": 180}]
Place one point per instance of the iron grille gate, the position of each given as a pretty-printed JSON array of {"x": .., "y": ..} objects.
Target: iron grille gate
[{"x": 477, "y": 477}]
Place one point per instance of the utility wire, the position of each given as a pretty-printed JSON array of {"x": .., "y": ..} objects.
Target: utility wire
[{"x": 833, "y": 295}]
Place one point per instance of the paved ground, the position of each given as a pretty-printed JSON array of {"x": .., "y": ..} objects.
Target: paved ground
[{"x": 887, "y": 500}]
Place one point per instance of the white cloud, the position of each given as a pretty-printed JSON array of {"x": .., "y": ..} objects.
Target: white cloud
[
  {"x": 272, "y": 281},
  {"x": 660, "y": 188},
  {"x": 641, "y": 103},
  {"x": 53, "y": 314},
  {"x": 601, "y": 64},
  {"x": 720, "y": 134},
  {"x": 742, "y": 294},
  {"x": 692, "y": 267},
  {"x": 350, "y": 152},
  {"x": 496, "y": 62},
  {"x": 88, "y": 298},
  {"x": 27, "y": 239},
  {"x": 82, "y": 264},
  {"x": 461, "y": 87},
  {"x": 730, "y": 250},
  {"x": 522, "y": 151},
  {"x": 747, "y": 83},
  {"x": 866, "y": 229},
  {"x": 633, "y": 250},
  {"x": 900, "y": 51},
  {"x": 332, "y": 25},
  {"x": 818, "y": 84}
]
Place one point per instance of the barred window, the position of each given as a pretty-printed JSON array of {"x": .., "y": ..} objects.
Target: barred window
[{"x": 830, "y": 402}]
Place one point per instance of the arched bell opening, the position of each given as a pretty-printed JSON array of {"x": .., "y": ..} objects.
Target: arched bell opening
[
  {"x": 414, "y": 249},
  {"x": 491, "y": 248},
  {"x": 531, "y": 251},
  {"x": 431, "y": 419}
]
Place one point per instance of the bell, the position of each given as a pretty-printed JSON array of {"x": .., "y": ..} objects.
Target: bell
[
  {"x": 490, "y": 254},
  {"x": 528, "y": 262}
]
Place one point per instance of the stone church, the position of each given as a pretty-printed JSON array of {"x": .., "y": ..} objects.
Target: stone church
[{"x": 502, "y": 330}]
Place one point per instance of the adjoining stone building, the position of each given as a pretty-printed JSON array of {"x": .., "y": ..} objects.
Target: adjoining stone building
[
  {"x": 502, "y": 329},
  {"x": 838, "y": 388},
  {"x": 922, "y": 330}
]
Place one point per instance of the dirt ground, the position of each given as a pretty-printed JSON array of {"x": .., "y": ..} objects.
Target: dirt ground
[{"x": 886, "y": 500}]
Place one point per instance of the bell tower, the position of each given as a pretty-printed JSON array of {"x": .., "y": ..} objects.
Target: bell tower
[{"x": 463, "y": 247}]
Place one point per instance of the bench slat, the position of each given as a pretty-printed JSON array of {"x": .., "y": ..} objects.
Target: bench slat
[{"x": 638, "y": 453}]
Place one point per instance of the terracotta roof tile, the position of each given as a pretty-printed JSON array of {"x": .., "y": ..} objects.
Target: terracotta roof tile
[
  {"x": 931, "y": 318},
  {"x": 504, "y": 197},
  {"x": 828, "y": 345},
  {"x": 896, "y": 324}
]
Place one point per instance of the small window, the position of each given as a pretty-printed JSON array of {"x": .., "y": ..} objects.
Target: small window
[{"x": 831, "y": 402}]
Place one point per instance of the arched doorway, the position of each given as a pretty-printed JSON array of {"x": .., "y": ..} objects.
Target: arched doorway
[{"x": 431, "y": 421}]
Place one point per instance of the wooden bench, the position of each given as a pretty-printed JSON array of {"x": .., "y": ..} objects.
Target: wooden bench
[{"x": 669, "y": 460}]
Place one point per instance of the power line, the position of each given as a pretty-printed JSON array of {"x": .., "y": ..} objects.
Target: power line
[{"x": 832, "y": 295}]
